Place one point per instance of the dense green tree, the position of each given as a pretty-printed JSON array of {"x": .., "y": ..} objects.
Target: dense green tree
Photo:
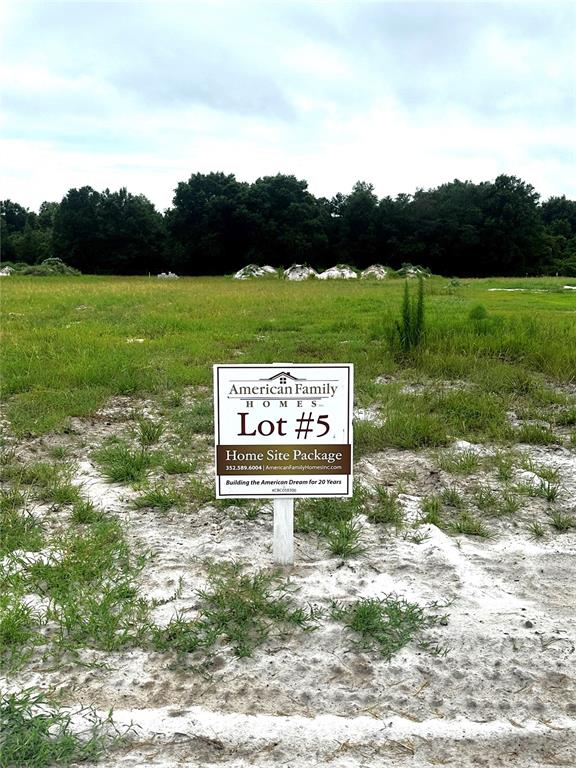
[
  {"x": 18, "y": 240},
  {"x": 218, "y": 224},
  {"x": 560, "y": 211},
  {"x": 31, "y": 246},
  {"x": 559, "y": 218},
  {"x": 109, "y": 232},
  {"x": 355, "y": 225},
  {"x": 288, "y": 224},
  {"x": 47, "y": 214},
  {"x": 14, "y": 216},
  {"x": 512, "y": 234},
  {"x": 209, "y": 224}
]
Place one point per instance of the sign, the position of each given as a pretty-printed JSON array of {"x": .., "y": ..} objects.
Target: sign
[{"x": 283, "y": 430}]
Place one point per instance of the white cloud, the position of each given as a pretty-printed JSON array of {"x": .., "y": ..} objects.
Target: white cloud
[{"x": 401, "y": 95}]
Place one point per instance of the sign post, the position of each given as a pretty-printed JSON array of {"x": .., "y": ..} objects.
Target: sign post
[
  {"x": 283, "y": 546},
  {"x": 283, "y": 431}
]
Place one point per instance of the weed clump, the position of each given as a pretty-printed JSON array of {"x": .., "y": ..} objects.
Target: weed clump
[
  {"x": 149, "y": 432},
  {"x": 562, "y": 522},
  {"x": 19, "y": 531},
  {"x": 535, "y": 434},
  {"x": 173, "y": 465},
  {"x": 85, "y": 512},
  {"x": 159, "y": 498},
  {"x": 384, "y": 625},
  {"x": 387, "y": 509},
  {"x": 459, "y": 462},
  {"x": 432, "y": 511},
  {"x": 240, "y": 609},
  {"x": 120, "y": 464},
  {"x": 37, "y": 734},
  {"x": 18, "y": 630},
  {"x": 344, "y": 539},
  {"x": 470, "y": 526}
]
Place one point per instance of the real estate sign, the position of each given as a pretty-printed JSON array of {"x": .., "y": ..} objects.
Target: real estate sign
[{"x": 283, "y": 430}]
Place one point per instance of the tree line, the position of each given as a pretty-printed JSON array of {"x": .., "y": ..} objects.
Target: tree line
[{"x": 217, "y": 224}]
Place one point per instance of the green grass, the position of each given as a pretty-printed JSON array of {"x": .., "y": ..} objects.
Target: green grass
[
  {"x": 250, "y": 508},
  {"x": 486, "y": 499},
  {"x": 432, "y": 508},
  {"x": 149, "y": 432},
  {"x": 548, "y": 490},
  {"x": 470, "y": 526},
  {"x": 90, "y": 582},
  {"x": 59, "y": 494},
  {"x": 321, "y": 515},
  {"x": 159, "y": 498},
  {"x": 173, "y": 465},
  {"x": 60, "y": 361},
  {"x": 565, "y": 417},
  {"x": 199, "y": 493},
  {"x": 459, "y": 462},
  {"x": 536, "y": 530},
  {"x": 238, "y": 609},
  {"x": 11, "y": 500},
  {"x": 196, "y": 419},
  {"x": 386, "y": 509},
  {"x": 562, "y": 521},
  {"x": 40, "y": 474},
  {"x": 334, "y": 520},
  {"x": 19, "y": 530},
  {"x": 121, "y": 464},
  {"x": 49, "y": 483},
  {"x": 35, "y": 733},
  {"x": 344, "y": 539},
  {"x": 19, "y": 625},
  {"x": 451, "y": 497},
  {"x": 85, "y": 513},
  {"x": 544, "y": 472},
  {"x": 504, "y": 463},
  {"x": 383, "y": 625},
  {"x": 410, "y": 429},
  {"x": 508, "y": 504},
  {"x": 534, "y": 434}
]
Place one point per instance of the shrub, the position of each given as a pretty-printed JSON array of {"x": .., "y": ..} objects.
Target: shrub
[
  {"x": 410, "y": 330},
  {"x": 51, "y": 266}
]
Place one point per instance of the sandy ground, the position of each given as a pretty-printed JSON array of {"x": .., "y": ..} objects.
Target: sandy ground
[{"x": 499, "y": 691}]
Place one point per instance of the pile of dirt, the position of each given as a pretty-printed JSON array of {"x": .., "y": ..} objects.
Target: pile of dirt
[
  {"x": 377, "y": 272},
  {"x": 254, "y": 270},
  {"x": 339, "y": 272},
  {"x": 299, "y": 272}
]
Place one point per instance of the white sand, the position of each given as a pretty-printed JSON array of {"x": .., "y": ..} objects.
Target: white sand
[{"x": 500, "y": 692}]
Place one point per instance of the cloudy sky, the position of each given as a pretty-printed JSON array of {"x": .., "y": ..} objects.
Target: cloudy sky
[{"x": 403, "y": 95}]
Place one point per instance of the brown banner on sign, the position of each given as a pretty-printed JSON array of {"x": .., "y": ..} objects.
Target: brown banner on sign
[{"x": 283, "y": 459}]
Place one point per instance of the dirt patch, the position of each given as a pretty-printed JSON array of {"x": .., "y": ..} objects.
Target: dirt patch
[{"x": 494, "y": 685}]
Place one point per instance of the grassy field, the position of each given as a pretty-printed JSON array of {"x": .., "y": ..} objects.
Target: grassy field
[
  {"x": 71, "y": 343},
  {"x": 113, "y": 545}
]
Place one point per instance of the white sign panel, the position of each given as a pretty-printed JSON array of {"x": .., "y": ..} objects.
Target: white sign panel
[{"x": 283, "y": 430}]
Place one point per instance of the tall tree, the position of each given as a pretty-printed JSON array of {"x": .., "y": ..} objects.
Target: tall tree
[
  {"x": 512, "y": 234},
  {"x": 355, "y": 225},
  {"x": 14, "y": 216},
  {"x": 209, "y": 224},
  {"x": 289, "y": 223},
  {"x": 559, "y": 217},
  {"x": 109, "y": 232}
]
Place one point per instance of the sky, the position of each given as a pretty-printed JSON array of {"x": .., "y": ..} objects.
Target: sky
[{"x": 404, "y": 95}]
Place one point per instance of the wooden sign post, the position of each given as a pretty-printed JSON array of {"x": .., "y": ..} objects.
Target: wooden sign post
[
  {"x": 283, "y": 546},
  {"x": 283, "y": 431}
]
